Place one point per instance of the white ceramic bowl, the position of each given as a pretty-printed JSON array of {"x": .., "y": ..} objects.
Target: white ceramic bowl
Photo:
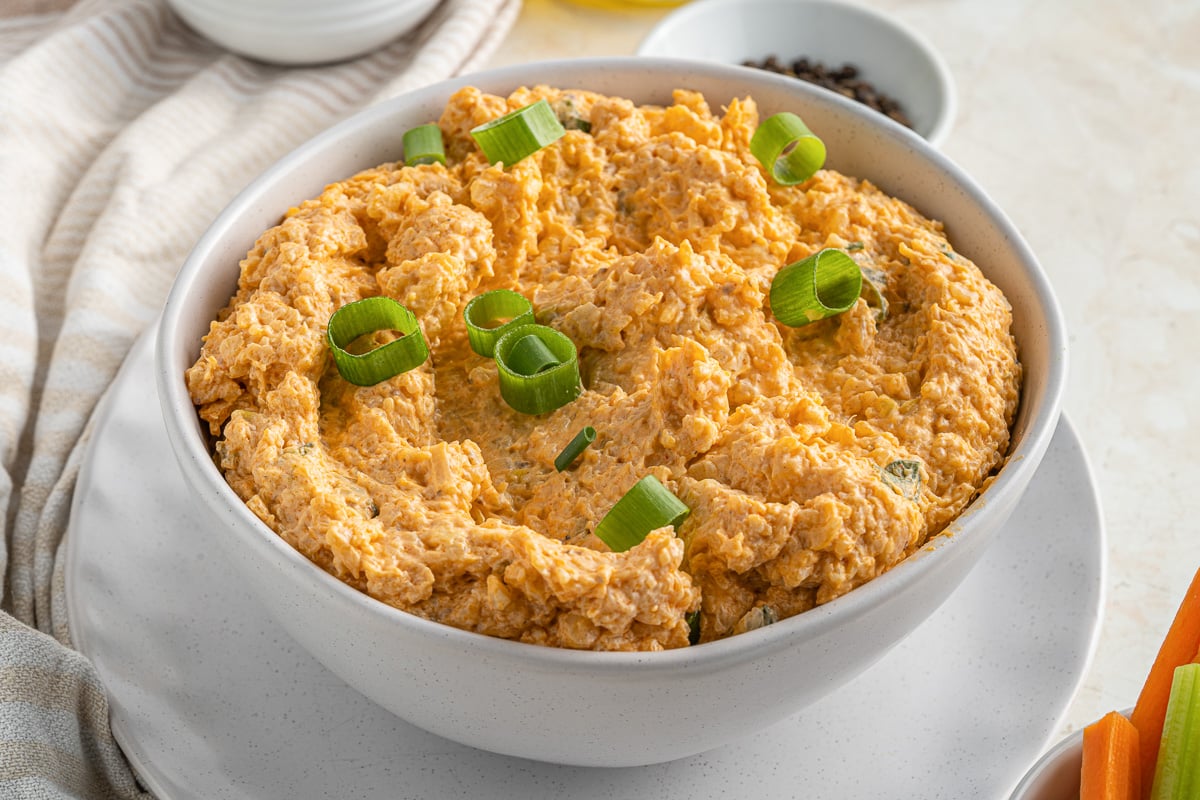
[
  {"x": 297, "y": 32},
  {"x": 897, "y": 60},
  {"x": 610, "y": 708}
]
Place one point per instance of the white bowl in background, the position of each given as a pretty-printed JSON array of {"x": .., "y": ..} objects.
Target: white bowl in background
[
  {"x": 295, "y": 32},
  {"x": 895, "y": 59},
  {"x": 599, "y": 708}
]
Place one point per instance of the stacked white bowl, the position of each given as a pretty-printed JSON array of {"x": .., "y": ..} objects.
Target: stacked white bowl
[{"x": 302, "y": 31}]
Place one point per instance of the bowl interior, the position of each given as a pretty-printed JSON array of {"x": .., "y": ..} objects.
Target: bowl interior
[
  {"x": 896, "y": 60},
  {"x": 1056, "y": 774},
  {"x": 890, "y": 156}
]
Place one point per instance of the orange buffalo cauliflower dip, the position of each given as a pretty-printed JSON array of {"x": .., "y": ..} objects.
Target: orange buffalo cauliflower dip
[{"x": 650, "y": 240}]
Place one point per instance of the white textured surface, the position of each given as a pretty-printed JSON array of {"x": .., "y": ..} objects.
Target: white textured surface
[
  {"x": 1080, "y": 118},
  {"x": 211, "y": 700}
]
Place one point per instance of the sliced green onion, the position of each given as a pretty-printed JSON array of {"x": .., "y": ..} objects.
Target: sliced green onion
[
  {"x": 646, "y": 507},
  {"x": 874, "y": 282},
  {"x": 787, "y": 149},
  {"x": 575, "y": 448},
  {"x": 518, "y": 134},
  {"x": 367, "y": 316},
  {"x": 423, "y": 145},
  {"x": 569, "y": 116},
  {"x": 823, "y": 285},
  {"x": 531, "y": 356},
  {"x": 1177, "y": 771},
  {"x": 850, "y": 248},
  {"x": 904, "y": 476},
  {"x": 493, "y": 314},
  {"x": 693, "y": 622},
  {"x": 530, "y": 385},
  {"x": 755, "y": 618}
]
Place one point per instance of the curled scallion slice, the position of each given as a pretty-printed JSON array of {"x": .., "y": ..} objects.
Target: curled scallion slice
[
  {"x": 423, "y": 145},
  {"x": 575, "y": 448},
  {"x": 493, "y": 314},
  {"x": 528, "y": 382},
  {"x": 787, "y": 149},
  {"x": 368, "y": 316},
  {"x": 530, "y": 355},
  {"x": 646, "y": 507},
  {"x": 518, "y": 134},
  {"x": 823, "y": 285}
]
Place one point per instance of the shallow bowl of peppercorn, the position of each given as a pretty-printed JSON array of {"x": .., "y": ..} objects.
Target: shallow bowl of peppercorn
[{"x": 858, "y": 53}]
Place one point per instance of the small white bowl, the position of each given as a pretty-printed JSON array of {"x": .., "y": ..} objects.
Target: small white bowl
[
  {"x": 1055, "y": 776},
  {"x": 891, "y": 56},
  {"x": 302, "y": 31}
]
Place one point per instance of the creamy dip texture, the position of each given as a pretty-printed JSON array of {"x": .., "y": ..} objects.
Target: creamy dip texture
[{"x": 651, "y": 241}]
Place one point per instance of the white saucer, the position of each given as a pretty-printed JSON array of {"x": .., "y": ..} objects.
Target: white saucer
[{"x": 211, "y": 700}]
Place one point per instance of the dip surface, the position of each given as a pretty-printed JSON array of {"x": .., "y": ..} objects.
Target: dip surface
[{"x": 651, "y": 241}]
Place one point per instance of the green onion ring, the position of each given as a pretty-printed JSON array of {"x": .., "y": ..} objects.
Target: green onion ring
[
  {"x": 575, "y": 448},
  {"x": 646, "y": 507},
  {"x": 534, "y": 387},
  {"x": 787, "y": 149},
  {"x": 423, "y": 145},
  {"x": 530, "y": 356},
  {"x": 485, "y": 309},
  {"x": 823, "y": 285},
  {"x": 519, "y": 133},
  {"x": 367, "y": 316}
]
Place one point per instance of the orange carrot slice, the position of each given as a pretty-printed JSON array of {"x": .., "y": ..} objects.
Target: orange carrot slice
[
  {"x": 1179, "y": 647},
  {"x": 1112, "y": 766}
]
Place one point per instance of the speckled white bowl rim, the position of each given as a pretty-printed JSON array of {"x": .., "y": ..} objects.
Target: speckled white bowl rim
[{"x": 180, "y": 414}]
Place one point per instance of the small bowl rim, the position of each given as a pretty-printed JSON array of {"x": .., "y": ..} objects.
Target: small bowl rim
[
  {"x": 946, "y": 94},
  {"x": 1004, "y": 489},
  {"x": 324, "y": 21},
  {"x": 1062, "y": 750}
]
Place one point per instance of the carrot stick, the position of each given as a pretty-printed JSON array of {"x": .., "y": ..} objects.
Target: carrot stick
[
  {"x": 1111, "y": 760},
  {"x": 1179, "y": 647}
]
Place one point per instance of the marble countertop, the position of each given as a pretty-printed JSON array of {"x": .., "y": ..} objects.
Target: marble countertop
[{"x": 1079, "y": 117}]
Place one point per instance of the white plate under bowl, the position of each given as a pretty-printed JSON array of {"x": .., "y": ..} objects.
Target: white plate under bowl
[{"x": 210, "y": 699}]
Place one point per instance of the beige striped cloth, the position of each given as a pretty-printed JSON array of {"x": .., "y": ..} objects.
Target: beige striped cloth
[{"x": 122, "y": 134}]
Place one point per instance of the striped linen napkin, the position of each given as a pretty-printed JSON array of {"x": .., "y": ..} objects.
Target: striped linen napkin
[{"x": 122, "y": 134}]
